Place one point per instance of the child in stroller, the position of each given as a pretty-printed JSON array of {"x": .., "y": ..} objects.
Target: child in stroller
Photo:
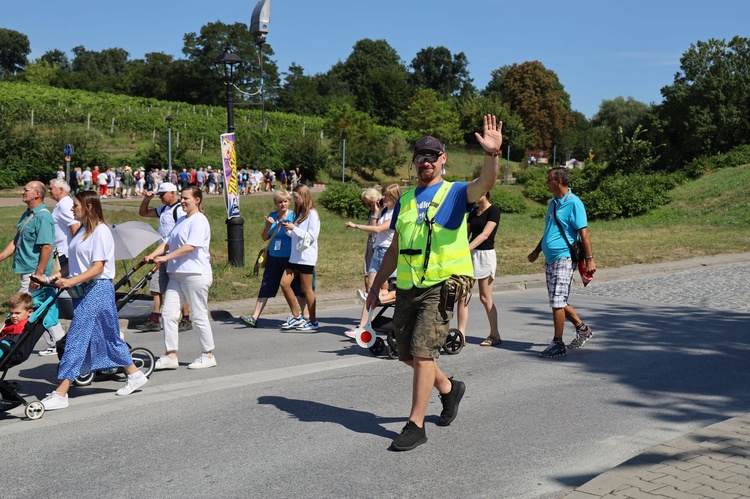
[
  {"x": 22, "y": 345},
  {"x": 20, "y": 308}
]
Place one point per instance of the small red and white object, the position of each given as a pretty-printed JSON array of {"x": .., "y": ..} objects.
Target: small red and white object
[
  {"x": 365, "y": 336},
  {"x": 586, "y": 276}
]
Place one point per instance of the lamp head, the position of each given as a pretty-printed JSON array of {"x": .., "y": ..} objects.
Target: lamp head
[{"x": 260, "y": 21}]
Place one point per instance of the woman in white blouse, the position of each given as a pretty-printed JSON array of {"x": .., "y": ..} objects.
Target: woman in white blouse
[
  {"x": 304, "y": 232},
  {"x": 93, "y": 342},
  {"x": 185, "y": 253}
]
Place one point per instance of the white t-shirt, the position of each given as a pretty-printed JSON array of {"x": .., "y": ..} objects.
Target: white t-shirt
[
  {"x": 98, "y": 247},
  {"x": 386, "y": 237},
  {"x": 63, "y": 217},
  {"x": 87, "y": 176},
  {"x": 312, "y": 225},
  {"x": 166, "y": 216},
  {"x": 195, "y": 231}
]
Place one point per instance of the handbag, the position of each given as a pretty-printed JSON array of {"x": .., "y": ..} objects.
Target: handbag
[
  {"x": 260, "y": 262},
  {"x": 55, "y": 263},
  {"x": 80, "y": 290},
  {"x": 576, "y": 249},
  {"x": 305, "y": 241}
]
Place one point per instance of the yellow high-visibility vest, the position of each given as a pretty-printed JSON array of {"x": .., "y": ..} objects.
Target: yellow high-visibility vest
[{"x": 448, "y": 252}]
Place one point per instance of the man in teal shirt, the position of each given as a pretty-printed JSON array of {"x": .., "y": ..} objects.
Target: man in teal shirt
[
  {"x": 32, "y": 247},
  {"x": 565, "y": 213}
]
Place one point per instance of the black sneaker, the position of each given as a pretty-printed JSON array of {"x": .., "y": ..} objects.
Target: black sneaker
[
  {"x": 450, "y": 402},
  {"x": 149, "y": 326},
  {"x": 583, "y": 334},
  {"x": 554, "y": 349},
  {"x": 411, "y": 436}
]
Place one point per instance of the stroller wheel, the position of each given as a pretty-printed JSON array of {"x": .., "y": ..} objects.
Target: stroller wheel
[
  {"x": 84, "y": 380},
  {"x": 35, "y": 410},
  {"x": 143, "y": 360},
  {"x": 454, "y": 342},
  {"x": 378, "y": 347}
]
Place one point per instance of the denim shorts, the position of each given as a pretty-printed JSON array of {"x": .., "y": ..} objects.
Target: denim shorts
[{"x": 377, "y": 258}]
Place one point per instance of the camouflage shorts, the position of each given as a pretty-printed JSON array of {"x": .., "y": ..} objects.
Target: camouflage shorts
[{"x": 420, "y": 322}]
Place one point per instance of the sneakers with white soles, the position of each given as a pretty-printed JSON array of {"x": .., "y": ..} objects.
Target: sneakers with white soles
[
  {"x": 203, "y": 362},
  {"x": 49, "y": 351},
  {"x": 292, "y": 322},
  {"x": 134, "y": 382},
  {"x": 164, "y": 362},
  {"x": 55, "y": 401},
  {"x": 308, "y": 326}
]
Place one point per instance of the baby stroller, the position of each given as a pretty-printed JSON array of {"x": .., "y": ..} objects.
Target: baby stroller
[
  {"x": 130, "y": 304},
  {"x": 44, "y": 316},
  {"x": 382, "y": 324}
]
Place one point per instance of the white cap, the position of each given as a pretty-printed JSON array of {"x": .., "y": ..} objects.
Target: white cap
[{"x": 166, "y": 187}]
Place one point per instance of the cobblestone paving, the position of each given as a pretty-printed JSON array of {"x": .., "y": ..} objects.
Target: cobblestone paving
[{"x": 722, "y": 288}]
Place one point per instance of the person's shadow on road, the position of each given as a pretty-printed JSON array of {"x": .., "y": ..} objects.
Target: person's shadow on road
[{"x": 357, "y": 421}]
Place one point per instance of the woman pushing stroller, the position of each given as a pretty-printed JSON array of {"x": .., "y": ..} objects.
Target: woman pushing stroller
[{"x": 93, "y": 342}]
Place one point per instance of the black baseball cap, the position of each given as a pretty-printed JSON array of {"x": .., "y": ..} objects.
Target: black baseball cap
[{"x": 429, "y": 144}]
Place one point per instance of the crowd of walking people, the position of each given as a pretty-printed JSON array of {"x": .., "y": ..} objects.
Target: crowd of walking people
[{"x": 426, "y": 248}]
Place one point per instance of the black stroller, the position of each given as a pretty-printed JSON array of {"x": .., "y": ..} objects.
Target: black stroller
[
  {"x": 382, "y": 324},
  {"x": 45, "y": 301}
]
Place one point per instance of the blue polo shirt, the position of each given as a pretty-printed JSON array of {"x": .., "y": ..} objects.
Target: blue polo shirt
[
  {"x": 572, "y": 216},
  {"x": 30, "y": 237}
]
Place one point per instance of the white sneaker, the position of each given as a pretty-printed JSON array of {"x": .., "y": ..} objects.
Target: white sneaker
[
  {"x": 362, "y": 296},
  {"x": 164, "y": 362},
  {"x": 55, "y": 401},
  {"x": 203, "y": 362},
  {"x": 49, "y": 351},
  {"x": 134, "y": 382},
  {"x": 352, "y": 333}
]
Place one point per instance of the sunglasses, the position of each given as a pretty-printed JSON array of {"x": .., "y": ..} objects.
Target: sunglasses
[{"x": 430, "y": 158}]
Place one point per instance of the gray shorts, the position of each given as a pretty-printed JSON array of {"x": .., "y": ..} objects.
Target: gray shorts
[{"x": 559, "y": 278}]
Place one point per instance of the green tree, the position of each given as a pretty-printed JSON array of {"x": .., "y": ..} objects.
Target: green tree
[
  {"x": 369, "y": 71},
  {"x": 620, "y": 112},
  {"x": 496, "y": 86},
  {"x": 426, "y": 114},
  {"x": 202, "y": 81},
  {"x": 57, "y": 58},
  {"x": 705, "y": 110},
  {"x": 631, "y": 154},
  {"x": 435, "y": 68},
  {"x": 14, "y": 52},
  {"x": 584, "y": 138},
  {"x": 472, "y": 108},
  {"x": 537, "y": 96}
]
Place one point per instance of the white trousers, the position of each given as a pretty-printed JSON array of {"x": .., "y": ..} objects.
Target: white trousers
[{"x": 194, "y": 289}]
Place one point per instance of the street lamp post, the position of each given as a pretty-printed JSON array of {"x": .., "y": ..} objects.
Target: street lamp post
[
  {"x": 343, "y": 154},
  {"x": 169, "y": 146},
  {"x": 235, "y": 226}
]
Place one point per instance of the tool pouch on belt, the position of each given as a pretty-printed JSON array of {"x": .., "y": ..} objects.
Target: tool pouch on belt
[{"x": 455, "y": 288}]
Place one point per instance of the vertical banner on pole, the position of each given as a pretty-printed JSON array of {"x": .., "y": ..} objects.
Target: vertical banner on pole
[{"x": 231, "y": 187}]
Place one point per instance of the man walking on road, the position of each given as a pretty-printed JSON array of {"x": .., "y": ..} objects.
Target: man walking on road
[
  {"x": 32, "y": 249},
  {"x": 167, "y": 215},
  {"x": 430, "y": 253},
  {"x": 565, "y": 212}
]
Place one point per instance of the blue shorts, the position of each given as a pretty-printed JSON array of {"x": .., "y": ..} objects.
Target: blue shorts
[{"x": 275, "y": 267}]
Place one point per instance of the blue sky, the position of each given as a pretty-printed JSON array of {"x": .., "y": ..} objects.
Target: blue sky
[{"x": 599, "y": 49}]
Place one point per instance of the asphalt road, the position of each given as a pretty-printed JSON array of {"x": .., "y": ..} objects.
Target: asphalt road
[{"x": 312, "y": 415}]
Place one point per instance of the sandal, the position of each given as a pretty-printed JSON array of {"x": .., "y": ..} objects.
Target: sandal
[{"x": 491, "y": 342}]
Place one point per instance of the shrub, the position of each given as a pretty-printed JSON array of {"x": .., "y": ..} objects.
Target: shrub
[
  {"x": 345, "y": 199},
  {"x": 508, "y": 202},
  {"x": 622, "y": 195},
  {"x": 704, "y": 164}
]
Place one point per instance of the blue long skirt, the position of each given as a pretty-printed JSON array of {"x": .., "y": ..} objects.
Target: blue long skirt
[{"x": 93, "y": 341}]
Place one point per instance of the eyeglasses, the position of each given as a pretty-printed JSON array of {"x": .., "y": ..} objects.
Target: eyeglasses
[{"x": 430, "y": 158}]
